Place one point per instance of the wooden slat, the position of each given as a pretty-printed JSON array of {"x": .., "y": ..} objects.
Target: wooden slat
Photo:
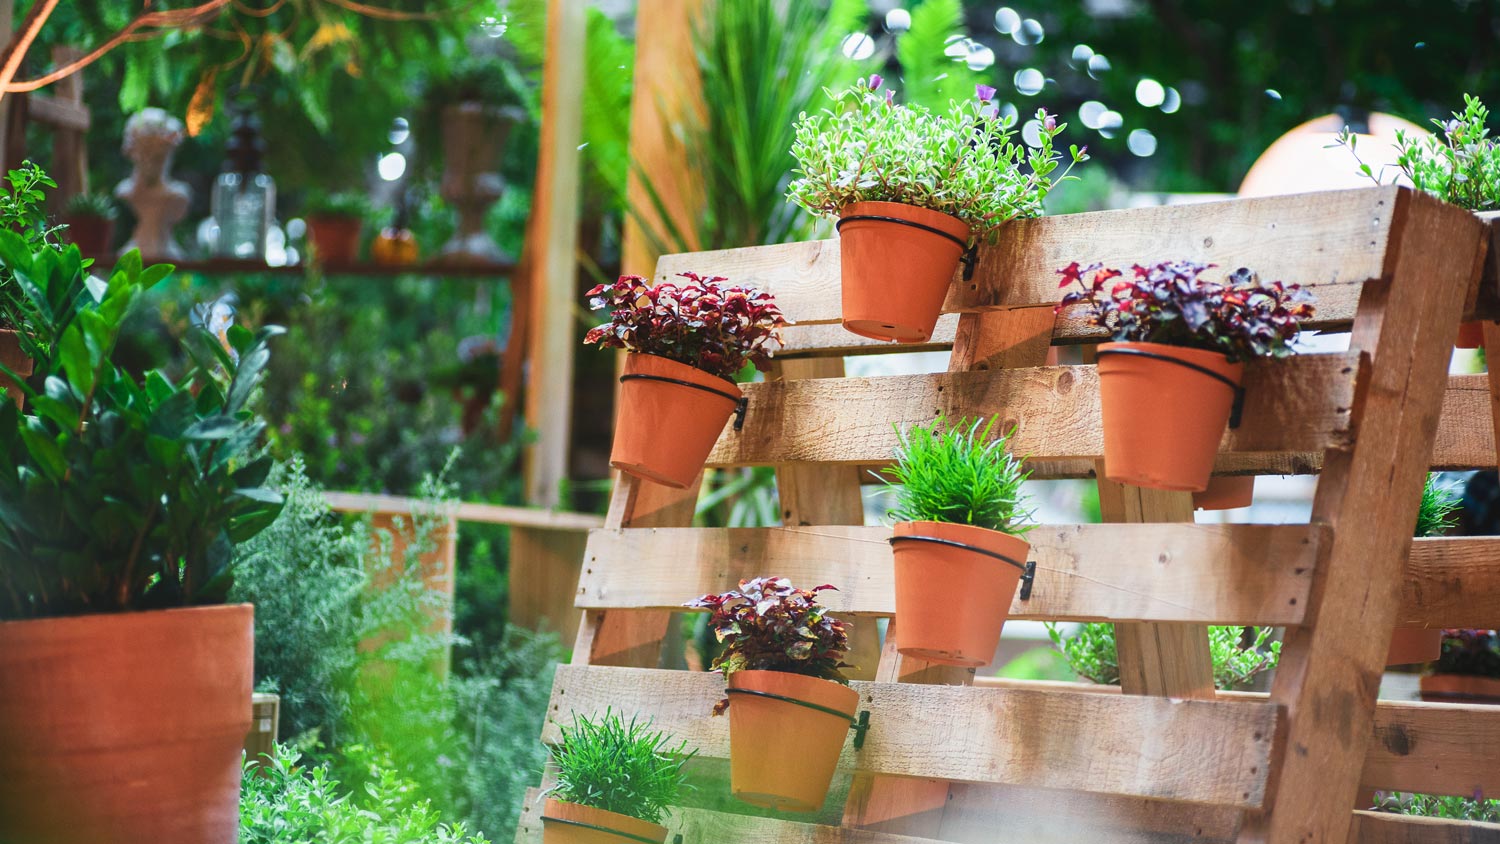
[
  {"x": 1383, "y": 828},
  {"x": 1452, "y": 582},
  {"x": 494, "y": 514},
  {"x": 1221, "y": 574},
  {"x": 1300, "y": 404},
  {"x": 1192, "y": 751}
]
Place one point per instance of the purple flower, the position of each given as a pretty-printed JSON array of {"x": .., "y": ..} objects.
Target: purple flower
[
  {"x": 985, "y": 92},
  {"x": 1050, "y": 123},
  {"x": 875, "y": 80}
]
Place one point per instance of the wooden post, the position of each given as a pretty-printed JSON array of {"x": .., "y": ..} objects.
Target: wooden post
[
  {"x": 544, "y": 569},
  {"x": 265, "y": 726}
]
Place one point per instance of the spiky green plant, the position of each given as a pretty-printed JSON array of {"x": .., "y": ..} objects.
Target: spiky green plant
[
  {"x": 1092, "y": 654},
  {"x": 958, "y": 473},
  {"x": 1438, "y": 510},
  {"x": 618, "y": 766}
]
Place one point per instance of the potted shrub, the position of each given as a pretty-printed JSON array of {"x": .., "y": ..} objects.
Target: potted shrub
[
  {"x": 958, "y": 532},
  {"x": 1468, "y": 671},
  {"x": 912, "y": 191},
  {"x": 688, "y": 341},
  {"x": 90, "y": 221},
  {"x": 334, "y": 222},
  {"x": 124, "y": 682},
  {"x": 615, "y": 781},
  {"x": 1435, "y": 515},
  {"x": 1171, "y": 375},
  {"x": 781, "y": 659}
]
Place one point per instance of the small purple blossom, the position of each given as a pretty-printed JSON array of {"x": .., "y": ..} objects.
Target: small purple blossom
[
  {"x": 875, "y": 81},
  {"x": 985, "y": 92},
  {"x": 1050, "y": 122}
]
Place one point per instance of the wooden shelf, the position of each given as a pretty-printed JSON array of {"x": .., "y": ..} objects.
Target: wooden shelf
[{"x": 231, "y": 266}]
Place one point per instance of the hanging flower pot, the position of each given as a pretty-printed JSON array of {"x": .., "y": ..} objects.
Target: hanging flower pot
[
  {"x": 125, "y": 727},
  {"x": 1226, "y": 492},
  {"x": 1460, "y": 688},
  {"x": 897, "y": 263},
  {"x": 1470, "y": 335},
  {"x": 936, "y": 561},
  {"x": 574, "y": 823},
  {"x": 1410, "y": 646},
  {"x": 15, "y": 359},
  {"x": 806, "y": 713},
  {"x": 669, "y": 419}
]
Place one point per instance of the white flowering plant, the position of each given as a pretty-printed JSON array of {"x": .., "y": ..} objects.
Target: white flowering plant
[{"x": 966, "y": 163}]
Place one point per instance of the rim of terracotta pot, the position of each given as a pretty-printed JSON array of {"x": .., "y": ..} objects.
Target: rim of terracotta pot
[
  {"x": 833, "y": 698},
  {"x": 915, "y": 213},
  {"x": 602, "y": 820},
  {"x": 98, "y": 618},
  {"x": 702, "y": 373},
  {"x": 984, "y": 541},
  {"x": 1202, "y": 357}
]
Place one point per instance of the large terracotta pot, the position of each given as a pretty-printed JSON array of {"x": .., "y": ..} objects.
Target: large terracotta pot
[
  {"x": 334, "y": 240},
  {"x": 16, "y": 361},
  {"x": 1226, "y": 492},
  {"x": 572, "y": 823},
  {"x": 125, "y": 728},
  {"x": 896, "y": 276},
  {"x": 782, "y": 755},
  {"x": 1460, "y": 688},
  {"x": 1410, "y": 645},
  {"x": 952, "y": 602},
  {"x": 93, "y": 235},
  {"x": 1163, "y": 421},
  {"x": 664, "y": 430}
]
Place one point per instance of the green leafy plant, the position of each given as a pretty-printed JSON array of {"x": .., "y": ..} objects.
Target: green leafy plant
[
  {"x": 1474, "y": 808},
  {"x": 966, "y": 163},
  {"x": 961, "y": 473},
  {"x": 95, "y": 206},
  {"x": 21, "y": 213},
  {"x": 337, "y": 205},
  {"x": 1438, "y": 511},
  {"x": 618, "y": 766},
  {"x": 1092, "y": 654},
  {"x": 1460, "y": 165}
]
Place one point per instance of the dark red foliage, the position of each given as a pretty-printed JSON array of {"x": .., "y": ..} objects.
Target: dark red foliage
[
  {"x": 1475, "y": 652},
  {"x": 1169, "y": 303},
  {"x": 705, "y": 324},
  {"x": 770, "y": 625}
]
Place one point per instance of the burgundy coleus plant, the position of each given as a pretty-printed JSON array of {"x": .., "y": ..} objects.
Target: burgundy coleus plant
[
  {"x": 705, "y": 323},
  {"x": 1169, "y": 302},
  {"x": 1472, "y": 652},
  {"x": 770, "y": 625}
]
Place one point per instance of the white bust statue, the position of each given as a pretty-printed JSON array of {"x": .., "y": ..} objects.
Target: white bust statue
[{"x": 151, "y": 138}]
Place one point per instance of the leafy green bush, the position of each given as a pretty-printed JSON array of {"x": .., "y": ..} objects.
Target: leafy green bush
[
  {"x": 1092, "y": 654},
  {"x": 620, "y": 767},
  {"x": 1460, "y": 166},
  {"x": 958, "y": 473},
  {"x": 1475, "y": 808}
]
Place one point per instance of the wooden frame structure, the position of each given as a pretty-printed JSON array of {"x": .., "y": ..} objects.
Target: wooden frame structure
[{"x": 1169, "y": 759}]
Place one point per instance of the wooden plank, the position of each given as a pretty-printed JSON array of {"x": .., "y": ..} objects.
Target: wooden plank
[
  {"x": 1383, "y": 828},
  {"x": 1452, "y": 582},
  {"x": 1218, "y": 574},
  {"x": 494, "y": 514},
  {"x": 60, "y": 114},
  {"x": 1465, "y": 434},
  {"x": 1295, "y": 405},
  {"x": 543, "y": 579},
  {"x": 1193, "y": 751}
]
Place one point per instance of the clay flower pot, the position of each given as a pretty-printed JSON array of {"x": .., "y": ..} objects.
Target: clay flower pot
[
  {"x": 1410, "y": 645},
  {"x": 125, "y": 728},
  {"x": 334, "y": 240},
  {"x": 15, "y": 359},
  {"x": 664, "y": 430},
  {"x": 92, "y": 235},
  {"x": 574, "y": 823},
  {"x": 1460, "y": 688},
  {"x": 952, "y": 602},
  {"x": 1163, "y": 420},
  {"x": 763, "y": 731},
  {"x": 896, "y": 276},
  {"x": 1470, "y": 335},
  {"x": 1226, "y": 492}
]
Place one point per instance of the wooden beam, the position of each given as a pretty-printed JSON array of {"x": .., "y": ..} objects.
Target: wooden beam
[
  {"x": 1452, "y": 582},
  {"x": 542, "y": 579},
  {"x": 1193, "y": 751},
  {"x": 472, "y": 511},
  {"x": 1383, "y": 828}
]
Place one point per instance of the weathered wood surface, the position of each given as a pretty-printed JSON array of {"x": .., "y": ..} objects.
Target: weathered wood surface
[
  {"x": 495, "y": 514},
  {"x": 1382, "y": 828},
  {"x": 1301, "y": 404},
  {"x": 1452, "y": 582},
  {"x": 1192, "y": 751}
]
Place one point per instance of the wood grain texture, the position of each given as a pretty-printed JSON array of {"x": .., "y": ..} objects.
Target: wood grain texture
[
  {"x": 1381, "y": 828},
  {"x": 1192, "y": 751},
  {"x": 542, "y": 579},
  {"x": 1219, "y": 574},
  {"x": 1452, "y": 582},
  {"x": 1299, "y": 404},
  {"x": 494, "y": 514}
]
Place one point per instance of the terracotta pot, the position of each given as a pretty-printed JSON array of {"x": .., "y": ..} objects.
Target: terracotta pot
[
  {"x": 1460, "y": 688},
  {"x": 563, "y": 823},
  {"x": 16, "y": 360},
  {"x": 1163, "y": 421},
  {"x": 664, "y": 431},
  {"x": 896, "y": 276},
  {"x": 125, "y": 728},
  {"x": 951, "y": 602},
  {"x": 1410, "y": 645},
  {"x": 792, "y": 772},
  {"x": 1470, "y": 335},
  {"x": 334, "y": 240},
  {"x": 93, "y": 235},
  {"x": 1226, "y": 492}
]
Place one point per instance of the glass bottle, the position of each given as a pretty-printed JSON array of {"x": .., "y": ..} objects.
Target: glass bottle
[{"x": 244, "y": 198}]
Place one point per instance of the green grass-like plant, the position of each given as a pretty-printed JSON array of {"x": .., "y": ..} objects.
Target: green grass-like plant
[
  {"x": 962, "y": 473},
  {"x": 618, "y": 766},
  {"x": 1092, "y": 654},
  {"x": 1438, "y": 511}
]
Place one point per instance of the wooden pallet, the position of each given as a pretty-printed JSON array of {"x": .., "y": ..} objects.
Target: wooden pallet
[{"x": 948, "y": 759}]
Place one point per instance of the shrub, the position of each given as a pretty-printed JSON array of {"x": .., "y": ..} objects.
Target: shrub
[
  {"x": 1169, "y": 303},
  {"x": 21, "y": 213},
  {"x": 1475, "y": 808},
  {"x": 1092, "y": 654},
  {"x": 965, "y": 163},
  {"x": 1463, "y": 167},
  {"x": 350, "y": 206},
  {"x": 706, "y": 324},
  {"x": 98, "y": 206},
  {"x": 620, "y": 767},
  {"x": 958, "y": 474}
]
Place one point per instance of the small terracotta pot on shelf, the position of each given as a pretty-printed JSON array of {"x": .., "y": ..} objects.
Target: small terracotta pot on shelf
[
  {"x": 93, "y": 235},
  {"x": 761, "y": 771},
  {"x": 669, "y": 418},
  {"x": 334, "y": 240},
  {"x": 1164, "y": 411},
  {"x": 1410, "y": 646},
  {"x": 1460, "y": 688},
  {"x": 574, "y": 823},
  {"x": 952, "y": 601},
  {"x": 15, "y": 359},
  {"x": 1226, "y": 492},
  {"x": 895, "y": 275}
]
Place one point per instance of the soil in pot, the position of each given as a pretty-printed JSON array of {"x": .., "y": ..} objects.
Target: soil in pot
[
  {"x": 334, "y": 240},
  {"x": 897, "y": 274},
  {"x": 951, "y": 603},
  {"x": 1410, "y": 646},
  {"x": 125, "y": 728},
  {"x": 16, "y": 360},
  {"x": 1163, "y": 420},
  {"x": 574, "y": 823},
  {"x": 93, "y": 235},
  {"x": 1226, "y": 492},
  {"x": 792, "y": 770},
  {"x": 1460, "y": 688},
  {"x": 665, "y": 430}
]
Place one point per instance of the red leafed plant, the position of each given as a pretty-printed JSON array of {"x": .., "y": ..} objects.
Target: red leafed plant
[
  {"x": 770, "y": 625},
  {"x": 1474, "y": 652},
  {"x": 706, "y": 324},
  {"x": 1169, "y": 303}
]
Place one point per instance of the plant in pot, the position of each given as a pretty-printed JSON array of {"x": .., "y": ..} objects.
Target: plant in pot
[
  {"x": 1468, "y": 671},
  {"x": 615, "y": 781},
  {"x": 912, "y": 190},
  {"x": 90, "y": 218},
  {"x": 781, "y": 659},
  {"x": 1436, "y": 514},
  {"x": 687, "y": 343},
  {"x": 334, "y": 223},
  {"x": 959, "y": 523},
  {"x": 1170, "y": 378},
  {"x": 124, "y": 682}
]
